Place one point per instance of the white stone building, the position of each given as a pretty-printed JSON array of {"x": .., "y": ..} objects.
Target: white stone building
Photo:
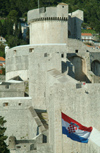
[
  {"x": 2, "y": 40},
  {"x": 87, "y": 37}
]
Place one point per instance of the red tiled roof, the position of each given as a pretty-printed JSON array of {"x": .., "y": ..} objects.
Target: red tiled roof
[
  {"x": 2, "y": 59},
  {"x": 0, "y": 71},
  {"x": 1, "y": 64},
  {"x": 86, "y": 34},
  {"x": 89, "y": 46}
]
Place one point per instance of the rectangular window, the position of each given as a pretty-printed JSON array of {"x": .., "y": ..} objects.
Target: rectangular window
[
  {"x": 62, "y": 55},
  {"x": 45, "y": 54},
  {"x": 76, "y": 51},
  {"x": 5, "y": 104},
  {"x": 31, "y": 50},
  {"x": 7, "y": 86}
]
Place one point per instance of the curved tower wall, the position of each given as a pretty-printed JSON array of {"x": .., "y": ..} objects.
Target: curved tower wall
[
  {"x": 49, "y": 25},
  {"x": 17, "y": 62}
]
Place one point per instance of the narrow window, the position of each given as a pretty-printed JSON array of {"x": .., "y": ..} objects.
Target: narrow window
[
  {"x": 19, "y": 104},
  {"x": 76, "y": 51},
  {"x": 14, "y": 51},
  {"x": 7, "y": 86},
  {"x": 31, "y": 50},
  {"x": 5, "y": 104},
  {"x": 62, "y": 55},
  {"x": 18, "y": 146},
  {"x": 45, "y": 54}
]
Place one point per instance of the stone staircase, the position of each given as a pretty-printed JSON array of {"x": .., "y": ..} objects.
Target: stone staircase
[
  {"x": 44, "y": 118},
  {"x": 38, "y": 144}
]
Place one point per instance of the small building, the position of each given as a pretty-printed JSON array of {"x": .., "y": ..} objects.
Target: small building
[
  {"x": 87, "y": 37},
  {"x": 2, "y": 40},
  {"x": 2, "y": 64}
]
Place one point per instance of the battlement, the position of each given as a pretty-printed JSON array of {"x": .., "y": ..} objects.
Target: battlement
[{"x": 49, "y": 13}]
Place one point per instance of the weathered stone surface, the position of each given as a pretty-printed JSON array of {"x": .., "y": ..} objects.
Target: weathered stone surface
[{"x": 63, "y": 76}]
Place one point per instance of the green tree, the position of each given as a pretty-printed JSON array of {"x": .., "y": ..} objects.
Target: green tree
[
  {"x": 1, "y": 28},
  {"x": 7, "y": 28},
  {"x": 20, "y": 32},
  {"x": 3, "y": 71},
  {"x": 3, "y": 146},
  {"x": 13, "y": 15},
  {"x": 2, "y": 50},
  {"x": 13, "y": 41}
]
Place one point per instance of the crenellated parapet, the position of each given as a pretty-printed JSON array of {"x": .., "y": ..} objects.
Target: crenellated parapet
[
  {"x": 49, "y": 13},
  {"x": 49, "y": 18},
  {"x": 48, "y": 25}
]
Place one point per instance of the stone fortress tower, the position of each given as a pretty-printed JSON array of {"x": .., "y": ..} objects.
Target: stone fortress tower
[
  {"x": 51, "y": 23},
  {"x": 55, "y": 73}
]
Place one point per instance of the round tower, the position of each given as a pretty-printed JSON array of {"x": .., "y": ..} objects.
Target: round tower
[{"x": 49, "y": 25}]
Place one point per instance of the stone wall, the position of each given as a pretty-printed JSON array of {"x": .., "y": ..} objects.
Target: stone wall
[
  {"x": 20, "y": 123},
  {"x": 74, "y": 24},
  {"x": 52, "y": 31},
  {"x": 40, "y": 63},
  {"x": 17, "y": 58},
  {"x": 12, "y": 89},
  {"x": 50, "y": 24},
  {"x": 2, "y": 78},
  {"x": 79, "y": 103},
  {"x": 49, "y": 12},
  {"x": 17, "y": 62}
]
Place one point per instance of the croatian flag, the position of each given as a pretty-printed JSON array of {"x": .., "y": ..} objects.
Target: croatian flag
[{"x": 75, "y": 130}]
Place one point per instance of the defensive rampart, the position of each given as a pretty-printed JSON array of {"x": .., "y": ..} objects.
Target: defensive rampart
[
  {"x": 20, "y": 122},
  {"x": 17, "y": 58},
  {"x": 49, "y": 25},
  {"x": 77, "y": 101}
]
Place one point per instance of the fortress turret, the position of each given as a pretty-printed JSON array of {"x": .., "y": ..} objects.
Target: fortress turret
[{"x": 49, "y": 25}]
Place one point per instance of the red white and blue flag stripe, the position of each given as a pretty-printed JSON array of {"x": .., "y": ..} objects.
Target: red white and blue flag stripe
[{"x": 75, "y": 130}]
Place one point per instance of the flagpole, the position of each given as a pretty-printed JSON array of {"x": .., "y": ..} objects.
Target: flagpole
[
  {"x": 38, "y": 4},
  {"x": 61, "y": 131}
]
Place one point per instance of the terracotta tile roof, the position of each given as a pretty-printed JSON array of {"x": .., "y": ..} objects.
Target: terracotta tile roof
[
  {"x": 2, "y": 59},
  {"x": 86, "y": 34},
  {"x": 2, "y": 38},
  {"x": 89, "y": 46},
  {"x": 0, "y": 71},
  {"x": 1, "y": 64}
]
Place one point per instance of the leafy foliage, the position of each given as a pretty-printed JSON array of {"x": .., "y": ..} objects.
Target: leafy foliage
[
  {"x": 91, "y": 10},
  {"x": 19, "y": 8},
  {"x": 3, "y": 146}
]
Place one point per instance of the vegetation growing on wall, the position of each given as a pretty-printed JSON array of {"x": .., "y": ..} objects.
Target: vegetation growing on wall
[{"x": 3, "y": 146}]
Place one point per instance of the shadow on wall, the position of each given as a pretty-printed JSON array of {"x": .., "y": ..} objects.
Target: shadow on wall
[
  {"x": 75, "y": 68},
  {"x": 74, "y": 28},
  {"x": 95, "y": 67},
  {"x": 68, "y": 66}
]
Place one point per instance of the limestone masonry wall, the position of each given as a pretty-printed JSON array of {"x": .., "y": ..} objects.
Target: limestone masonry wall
[
  {"x": 50, "y": 23},
  {"x": 19, "y": 123},
  {"x": 79, "y": 103}
]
